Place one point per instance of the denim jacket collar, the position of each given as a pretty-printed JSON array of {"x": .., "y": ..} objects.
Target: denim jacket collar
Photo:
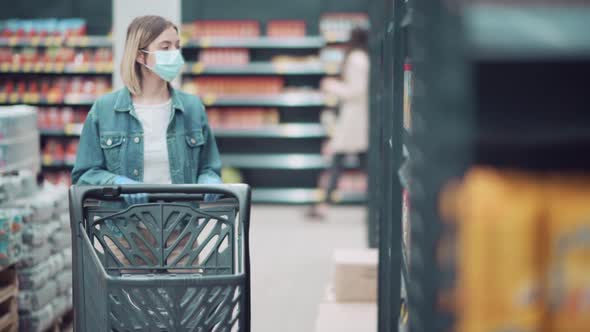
[{"x": 124, "y": 103}]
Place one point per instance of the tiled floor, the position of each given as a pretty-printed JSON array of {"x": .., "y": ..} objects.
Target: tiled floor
[{"x": 292, "y": 263}]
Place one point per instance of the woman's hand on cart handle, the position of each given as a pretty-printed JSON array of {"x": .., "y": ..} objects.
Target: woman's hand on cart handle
[
  {"x": 212, "y": 180},
  {"x": 131, "y": 199}
]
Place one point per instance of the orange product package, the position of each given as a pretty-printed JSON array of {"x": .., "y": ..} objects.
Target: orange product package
[
  {"x": 569, "y": 253},
  {"x": 500, "y": 221}
]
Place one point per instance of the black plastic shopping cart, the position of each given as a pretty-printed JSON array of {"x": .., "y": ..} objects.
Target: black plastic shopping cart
[{"x": 174, "y": 264}]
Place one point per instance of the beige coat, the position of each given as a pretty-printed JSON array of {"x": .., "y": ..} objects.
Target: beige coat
[{"x": 351, "y": 131}]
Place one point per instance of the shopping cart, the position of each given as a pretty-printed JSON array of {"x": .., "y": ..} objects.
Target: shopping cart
[{"x": 173, "y": 264}]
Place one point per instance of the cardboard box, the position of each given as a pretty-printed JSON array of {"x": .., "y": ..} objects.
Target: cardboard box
[
  {"x": 346, "y": 317},
  {"x": 355, "y": 277}
]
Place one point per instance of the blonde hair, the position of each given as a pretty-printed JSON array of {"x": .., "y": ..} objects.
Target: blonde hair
[{"x": 140, "y": 34}]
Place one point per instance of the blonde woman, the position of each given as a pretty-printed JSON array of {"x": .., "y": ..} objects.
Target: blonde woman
[{"x": 147, "y": 132}]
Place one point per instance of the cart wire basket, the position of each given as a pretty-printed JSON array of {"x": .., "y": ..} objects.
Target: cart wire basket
[{"x": 173, "y": 264}]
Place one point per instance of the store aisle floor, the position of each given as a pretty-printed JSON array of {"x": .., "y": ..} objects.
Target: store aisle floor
[{"x": 292, "y": 263}]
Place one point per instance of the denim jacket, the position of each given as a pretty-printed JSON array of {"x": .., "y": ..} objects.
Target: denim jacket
[{"x": 111, "y": 143}]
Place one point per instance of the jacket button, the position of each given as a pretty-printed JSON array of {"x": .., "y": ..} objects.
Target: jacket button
[
  {"x": 136, "y": 140},
  {"x": 193, "y": 141},
  {"x": 109, "y": 142},
  {"x": 135, "y": 172}
]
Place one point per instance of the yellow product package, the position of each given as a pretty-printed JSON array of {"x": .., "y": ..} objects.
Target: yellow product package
[
  {"x": 569, "y": 253},
  {"x": 499, "y": 216}
]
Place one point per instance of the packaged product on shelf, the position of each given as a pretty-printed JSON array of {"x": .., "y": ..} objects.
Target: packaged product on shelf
[
  {"x": 66, "y": 118},
  {"x": 36, "y": 276},
  {"x": 54, "y": 90},
  {"x": 500, "y": 274},
  {"x": 63, "y": 178},
  {"x": 15, "y": 186},
  {"x": 63, "y": 303},
  {"x": 67, "y": 257},
  {"x": 44, "y": 27},
  {"x": 36, "y": 234},
  {"x": 70, "y": 153},
  {"x": 285, "y": 28},
  {"x": 239, "y": 85},
  {"x": 11, "y": 246},
  {"x": 53, "y": 152},
  {"x": 38, "y": 321},
  {"x": 220, "y": 56},
  {"x": 19, "y": 139},
  {"x": 43, "y": 205},
  {"x": 220, "y": 28},
  {"x": 337, "y": 26},
  {"x": 35, "y": 299},
  {"x": 568, "y": 249},
  {"x": 243, "y": 118},
  {"x": 33, "y": 256},
  {"x": 64, "y": 282},
  {"x": 60, "y": 240}
]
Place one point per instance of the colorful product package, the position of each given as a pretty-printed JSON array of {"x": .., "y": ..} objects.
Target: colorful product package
[
  {"x": 499, "y": 271},
  {"x": 11, "y": 245},
  {"x": 569, "y": 253}
]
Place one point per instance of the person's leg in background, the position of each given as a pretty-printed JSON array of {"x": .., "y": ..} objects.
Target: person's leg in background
[{"x": 318, "y": 211}]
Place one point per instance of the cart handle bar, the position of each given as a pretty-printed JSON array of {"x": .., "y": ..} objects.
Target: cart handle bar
[{"x": 167, "y": 192}]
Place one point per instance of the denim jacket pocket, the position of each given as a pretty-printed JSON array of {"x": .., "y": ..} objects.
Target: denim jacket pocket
[{"x": 111, "y": 145}]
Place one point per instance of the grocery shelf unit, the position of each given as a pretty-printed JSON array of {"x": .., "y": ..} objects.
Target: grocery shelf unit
[
  {"x": 282, "y": 161},
  {"x": 385, "y": 155},
  {"x": 28, "y": 72},
  {"x": 488, "y": 90}
]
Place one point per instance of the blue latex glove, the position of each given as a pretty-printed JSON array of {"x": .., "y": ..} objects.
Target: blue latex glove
[
  {"x": 211, "y": 197},
  {"x": 131, "y": 199}
]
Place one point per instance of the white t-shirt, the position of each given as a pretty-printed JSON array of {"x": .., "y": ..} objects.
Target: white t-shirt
[{"x": 154, "y": 120}]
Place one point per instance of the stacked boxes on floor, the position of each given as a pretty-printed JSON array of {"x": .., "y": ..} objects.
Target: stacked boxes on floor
[
  {"x": 45, "y": 273},
  {"x": 19, "y": 139},
  {"x": 12, "y": 187},
  {"x": 351, "y": 302}
]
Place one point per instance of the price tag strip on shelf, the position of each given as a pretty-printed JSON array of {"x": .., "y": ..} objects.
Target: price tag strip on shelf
[
  {"x": 198, "y": 68},
  {"x": 73, "y": 129},
  {"x": 209, "y": 99}
]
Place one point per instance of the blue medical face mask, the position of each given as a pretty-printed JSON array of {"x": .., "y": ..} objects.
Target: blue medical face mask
[{"x": 168, "y": 64}]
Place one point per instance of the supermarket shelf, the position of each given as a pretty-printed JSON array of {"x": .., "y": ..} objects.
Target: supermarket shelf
[
  {"x": 311, "y": 42},
  {"x": 36, "y": 101},
  {"x": 496, "y": 32},
  {"x": 82, "y": 41},
  {"x": 255, "y": 161},
  {"x": 307, "y": 99},
  {"x": 336, "y": 39},
  {"x": 283, "y": 161},
  {"x": 303, "y": 196},
  {"x": 291, "y": 99},
  {"x": 47, "y": 164},
  {"x": 57, "y": 69},
  {"x": 279, "y": 131},
  {"x": 68, "y": 130},
  {"x": 263, "y": 68}
]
